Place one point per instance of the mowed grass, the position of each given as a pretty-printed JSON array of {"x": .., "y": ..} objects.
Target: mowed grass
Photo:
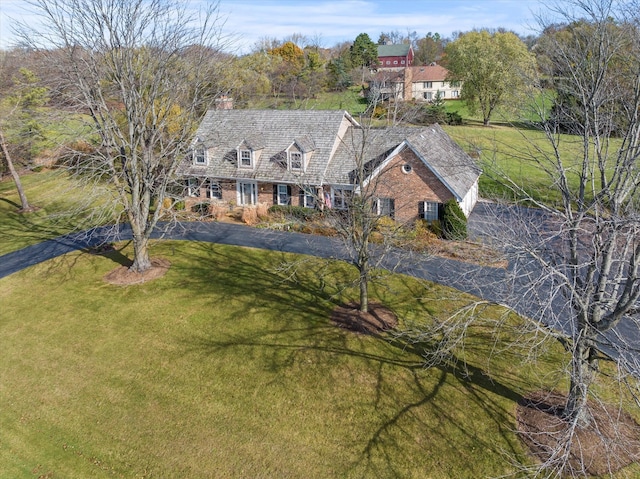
[
  {"x": 63, "y": 205},
  {"x": 514, "y": 153},
  {"x": 228, "y": 366}
]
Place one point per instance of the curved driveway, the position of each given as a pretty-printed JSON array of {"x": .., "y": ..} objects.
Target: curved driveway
[{"x": 480, "y": 281}]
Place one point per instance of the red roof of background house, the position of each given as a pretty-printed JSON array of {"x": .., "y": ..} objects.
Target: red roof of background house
[{"x": 431, "y": 72}]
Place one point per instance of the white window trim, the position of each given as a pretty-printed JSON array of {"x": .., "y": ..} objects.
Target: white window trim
[
  {"x": 335, "y": 194},
  {"x": 240, "y": 152},
  {"x": 290, "y": 158},
  {"x": 430, "y": 213},
  {"x": 200, "y": 147},
  {"x": 210, "y": 189},
  {"x": 378, "y": 204},
  {"x": 193, "y": 187},
  {"x": 239, "y": 193},
  {"x": 308, "y": 197},
  {"x": 281, "y": 187}
]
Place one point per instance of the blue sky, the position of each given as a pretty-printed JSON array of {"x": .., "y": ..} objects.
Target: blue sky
[{"x": 334, "y": 21}]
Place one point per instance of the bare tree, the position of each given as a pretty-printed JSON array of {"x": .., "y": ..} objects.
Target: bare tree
[
  {"x": 363, "y": 212},
  {"x": 14, "y": 102},
  {"x": 24, "y": 203},
  {"x": 575, "y": 261},
  {"x": 144, "y": 72}
]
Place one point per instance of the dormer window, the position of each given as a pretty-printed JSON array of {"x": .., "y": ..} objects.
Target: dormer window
[
  {"x": 295, "y": 160},
  {"x": 246, "y": 159},
  {"x": 299, "y": 153},
  {"x": 199, "y": 154}
]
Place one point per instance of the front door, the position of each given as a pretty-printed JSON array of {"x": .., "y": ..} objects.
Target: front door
[{"x": 247, "y": 193}]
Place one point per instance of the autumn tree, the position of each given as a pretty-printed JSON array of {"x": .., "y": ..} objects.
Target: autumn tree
[
  {"x": 143, "y": 72},
  {"x": 291, "y": 54},
  {"x": 492, "y": 68},
  {"x": 429, "y": 49},
  {"x": 247, "y": 78}
]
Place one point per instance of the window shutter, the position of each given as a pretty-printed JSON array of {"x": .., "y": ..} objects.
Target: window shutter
[
  {"x": 392, "y": 208},
  {"x": 275, "y": 194},
  {"x": 289, "y": 194},
  {"x": 421, "y": 209},
  {"x": 301, "y": 197}
]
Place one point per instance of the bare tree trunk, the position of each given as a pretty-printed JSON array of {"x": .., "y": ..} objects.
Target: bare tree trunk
[
  {"x": 146, "y": 72},
  {"x": 364, "y": 289},
  {"x": 582, "y": 375},
  {"x": 14, "y": 174},
  {"x": 142, "y": 260}
]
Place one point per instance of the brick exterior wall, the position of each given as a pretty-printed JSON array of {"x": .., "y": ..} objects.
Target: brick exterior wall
[
  {"x": 230, "y": 196},
  {"x": 409, "y": 189},
  {"x": 406, "y": 189}
]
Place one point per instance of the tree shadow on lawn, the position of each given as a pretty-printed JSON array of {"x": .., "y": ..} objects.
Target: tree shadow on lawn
[
  {"x": 38, "y": 227},
  {"x": 63, "y": 265},
  {"x": 12, "y": 203},
  {"x": 310, "y": 331}
]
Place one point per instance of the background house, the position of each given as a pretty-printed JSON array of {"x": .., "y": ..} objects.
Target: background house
[
  {"x": 394, "y": 56},
  {"x": 421, "y": 83},
  {"x": 310, "y": 159},
  {"x": 425, "y": 82}
]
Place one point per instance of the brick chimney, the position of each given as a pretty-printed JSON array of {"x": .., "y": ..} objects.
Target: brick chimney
[
  {"x": 408, "y": 84},
  {"x": 224, "y": 103}
]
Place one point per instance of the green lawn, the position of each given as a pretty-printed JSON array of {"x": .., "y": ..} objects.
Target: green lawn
[
  {"x": 64, "y": 205},
  {"x": 351, "y": 100},
  {"x": 227, "y": 368},
  {"x": 512, "y": 152}
]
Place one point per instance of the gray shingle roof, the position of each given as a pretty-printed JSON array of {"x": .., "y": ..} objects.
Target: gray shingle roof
[
  {"x": 445, "y": 158},
  {"x": 271, "y": 132},
  {"x": 333, "y": 142},
  {"x": 449, "y": 162}
]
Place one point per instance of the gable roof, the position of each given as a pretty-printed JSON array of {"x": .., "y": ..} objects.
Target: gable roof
[
  {"x": 443, "y": 156},
  {"x": 392, "y": 76},
  {"x": 450, "y": 163},
  {"x": 400, "y": 50}
]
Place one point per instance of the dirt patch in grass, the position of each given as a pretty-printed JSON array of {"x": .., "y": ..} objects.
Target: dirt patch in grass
[
  {"x": 123, "y": 276},
  {"x": 379, "y": 318},
  {"x": 468, "y": 252},
  {"x": 610, "y": 443}
]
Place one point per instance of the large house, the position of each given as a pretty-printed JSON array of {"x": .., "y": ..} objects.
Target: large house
[
  {"x": 425, "y": 82},
  {"x": 421, "y": 83},
  {"x": 311, "y": 159},
  {"x": 394, "y": 56}
]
